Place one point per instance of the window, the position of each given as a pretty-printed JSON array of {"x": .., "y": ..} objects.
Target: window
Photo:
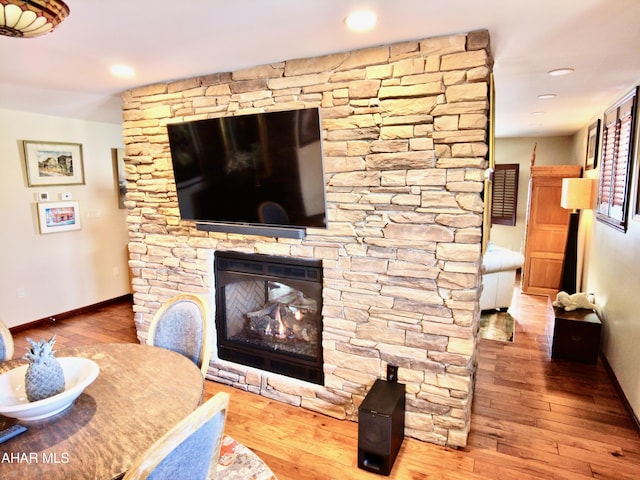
[
  {"x": 504, "y": 201},
  {"x": 615, "y": 167}
]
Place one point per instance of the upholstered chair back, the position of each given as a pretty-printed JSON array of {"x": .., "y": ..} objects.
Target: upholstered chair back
[
  {"x": 6, "y": 343},
  {"x": 182, "y": 325},
  {"x": 190, "y": 449}
]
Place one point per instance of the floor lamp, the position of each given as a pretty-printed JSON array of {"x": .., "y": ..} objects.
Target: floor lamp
[{"x": 576, "y": 195}]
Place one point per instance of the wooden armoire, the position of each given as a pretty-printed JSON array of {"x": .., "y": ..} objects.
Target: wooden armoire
[{"x": 546, "y": 229}]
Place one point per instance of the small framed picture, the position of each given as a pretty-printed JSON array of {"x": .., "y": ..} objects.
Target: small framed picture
[
  {"x": 118, "y": 165},
  {"x": 593, "y": 138},
  {"x": 43, "y": 196},
  {"x": 58, "y": 216},
  {"x": 53, "y": 163}
]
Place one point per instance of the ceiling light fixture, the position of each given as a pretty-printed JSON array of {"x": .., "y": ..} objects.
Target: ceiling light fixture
[
  {"x": 361, "y": 21},
  {"x": 547, "y": 96},
  {"x": 560, "y": 71},
  {"x": 123, "y": 71},
  {"x": 30, "y": 18}
]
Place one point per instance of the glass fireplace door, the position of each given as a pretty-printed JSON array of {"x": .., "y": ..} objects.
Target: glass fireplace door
[{"x": 269, "y": 313}]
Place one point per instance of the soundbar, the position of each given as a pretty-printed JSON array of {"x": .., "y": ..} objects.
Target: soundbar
[{"x": 263, "y": 231}]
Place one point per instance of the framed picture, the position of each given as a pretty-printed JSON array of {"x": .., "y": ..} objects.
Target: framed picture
[
  {"x": 593, "y": 139},
  {"x": 58, "y": 216},
  {"x": 121, "y": 181},
  {"x": 53, "y": 163}
]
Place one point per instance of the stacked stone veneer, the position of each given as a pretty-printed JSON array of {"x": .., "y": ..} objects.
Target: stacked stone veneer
[{"x": 405, "y": 141}]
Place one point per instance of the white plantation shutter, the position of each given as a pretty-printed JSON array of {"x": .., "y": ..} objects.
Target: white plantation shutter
[
  {"x": 606, "y": 167},
  {"x": 623, "y": 145}
]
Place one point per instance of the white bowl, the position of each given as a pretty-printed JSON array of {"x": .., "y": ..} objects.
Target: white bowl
[{"x": 78, "y": 374}]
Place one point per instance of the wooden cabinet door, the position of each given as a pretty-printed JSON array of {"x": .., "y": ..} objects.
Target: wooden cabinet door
[{"x": 546, "y": 231}]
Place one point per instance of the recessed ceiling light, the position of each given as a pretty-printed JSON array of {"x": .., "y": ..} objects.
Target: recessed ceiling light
[
  {"x": 560, "y": 71},
  {"x": 538, "y": 113},
  {"x": 123, "y": 71},
  {"x": 546, "y": 96},
  {"x": 361, "y": 21}
]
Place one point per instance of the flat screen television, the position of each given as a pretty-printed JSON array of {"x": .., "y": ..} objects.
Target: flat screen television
[{"x": 258, "y": 173}]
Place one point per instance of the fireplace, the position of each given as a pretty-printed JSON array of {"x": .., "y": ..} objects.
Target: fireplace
[{"x": 269, "y": 313}]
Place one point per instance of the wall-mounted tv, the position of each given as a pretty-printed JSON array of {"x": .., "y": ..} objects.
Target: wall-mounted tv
[{"x": 258, "y": 173}]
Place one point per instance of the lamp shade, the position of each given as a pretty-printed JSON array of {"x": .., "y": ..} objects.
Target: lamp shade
[
  {"x": 577, "y": 193},
  {"x": 30, "y": 18}
]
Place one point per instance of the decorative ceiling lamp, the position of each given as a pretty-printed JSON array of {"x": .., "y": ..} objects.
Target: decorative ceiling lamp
[{"x": 30, "y": 18}]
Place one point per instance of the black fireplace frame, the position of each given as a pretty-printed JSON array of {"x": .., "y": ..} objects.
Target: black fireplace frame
[{"x": 302, "y": 274}]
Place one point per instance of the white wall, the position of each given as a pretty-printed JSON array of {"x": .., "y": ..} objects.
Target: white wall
[
  {"x": 614, "y": 266},
  {"x": 612, "y": 274},
  {"x": 44, "y": 275}
]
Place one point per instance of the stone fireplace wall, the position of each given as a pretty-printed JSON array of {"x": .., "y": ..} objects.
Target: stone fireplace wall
[{"x": 405, "y": 142}]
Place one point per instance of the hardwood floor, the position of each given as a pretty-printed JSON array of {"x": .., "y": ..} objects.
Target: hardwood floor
[
  {"x": 533, "y": 418},
  {"x": 106, "y": 324}
]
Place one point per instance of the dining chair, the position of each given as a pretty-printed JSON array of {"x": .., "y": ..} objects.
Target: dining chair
[
  {"x": 190, "y": 449},
  {"x": 6, "y": 343},
  {"x": 182, "y": 325}
]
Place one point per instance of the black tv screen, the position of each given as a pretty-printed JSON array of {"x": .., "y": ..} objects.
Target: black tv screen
[{"x": 257, "y": 169}]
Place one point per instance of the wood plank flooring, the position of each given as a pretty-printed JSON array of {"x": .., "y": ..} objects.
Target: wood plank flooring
[{"x": 533, "y": 418}]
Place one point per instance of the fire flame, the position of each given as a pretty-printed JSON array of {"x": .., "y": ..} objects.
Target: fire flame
[{"x": 281, "y": 328}]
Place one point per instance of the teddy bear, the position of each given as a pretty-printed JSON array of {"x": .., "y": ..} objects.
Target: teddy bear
[{"x": 573, "y": 302}]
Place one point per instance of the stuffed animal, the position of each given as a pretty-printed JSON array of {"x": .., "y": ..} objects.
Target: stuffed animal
[{"x": 573, "y": 302}]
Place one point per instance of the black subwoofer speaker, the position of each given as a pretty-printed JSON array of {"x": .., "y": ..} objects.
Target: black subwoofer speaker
[{"x": 381, "y": 426}]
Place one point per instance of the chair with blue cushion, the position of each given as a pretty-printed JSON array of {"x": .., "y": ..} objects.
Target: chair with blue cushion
[
  {"x": 182, "y": 325},
  {"x": 6, "y": 343},
  {"x": 189, "y": 450}
]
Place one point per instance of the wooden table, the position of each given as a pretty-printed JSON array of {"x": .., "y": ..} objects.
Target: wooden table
[{"x": 140, "y": 393}]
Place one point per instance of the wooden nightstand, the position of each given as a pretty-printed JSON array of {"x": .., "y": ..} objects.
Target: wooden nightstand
[{"x": 575, "y": 335}]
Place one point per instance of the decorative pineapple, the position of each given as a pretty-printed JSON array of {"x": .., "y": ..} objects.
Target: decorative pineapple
[{"x": 44, "y": 377}]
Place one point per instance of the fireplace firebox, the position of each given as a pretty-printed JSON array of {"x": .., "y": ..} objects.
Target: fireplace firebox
[{"x": 269, "y": 313}]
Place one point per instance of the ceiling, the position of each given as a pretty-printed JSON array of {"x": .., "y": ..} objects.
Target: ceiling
[{"x": 66, "y": 73}]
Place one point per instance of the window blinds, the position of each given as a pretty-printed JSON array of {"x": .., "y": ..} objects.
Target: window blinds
[
  {"x": 615, "y": 168},
  {"x": 504, "y": 201}
]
